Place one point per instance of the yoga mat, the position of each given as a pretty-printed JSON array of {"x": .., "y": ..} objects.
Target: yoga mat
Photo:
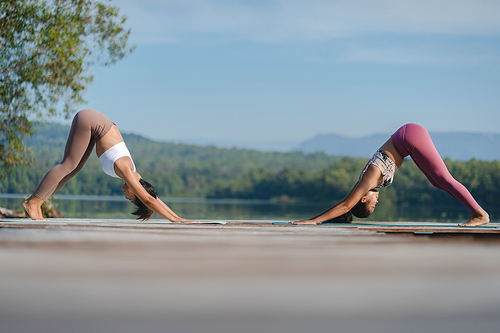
[
  {"x": 69, "y": 220},
  {"x": 443, "y": 225}
]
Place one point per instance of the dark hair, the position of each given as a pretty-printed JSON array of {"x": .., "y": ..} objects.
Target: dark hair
[
  {"x": 142, "y": 211},
  {"x": 361, "y": 210},
  {"x": 344, "y": 218}
]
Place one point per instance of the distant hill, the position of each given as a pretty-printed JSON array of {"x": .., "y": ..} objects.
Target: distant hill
[{"x": 457, "y": 146}]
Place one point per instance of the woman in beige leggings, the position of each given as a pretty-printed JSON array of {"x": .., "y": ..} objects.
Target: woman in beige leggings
[{"x": 91, "y": 128}]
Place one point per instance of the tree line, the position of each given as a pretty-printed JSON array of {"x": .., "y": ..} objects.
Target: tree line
[{"x": 180, "y": 170}]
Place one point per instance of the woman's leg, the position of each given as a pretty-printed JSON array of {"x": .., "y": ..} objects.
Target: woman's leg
[
  {"x": 78, "y": 149},
  {"x": 426, "y": 157},
  {"x": 78, "y": 167}
]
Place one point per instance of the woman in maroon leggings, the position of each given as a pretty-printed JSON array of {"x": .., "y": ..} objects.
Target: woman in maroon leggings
[
  {"x": 412, "y": 140},
  {"x": 91, "y": 128}
]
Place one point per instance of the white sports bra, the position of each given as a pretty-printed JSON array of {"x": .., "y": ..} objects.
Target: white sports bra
[{"x": 109, "y": 157}]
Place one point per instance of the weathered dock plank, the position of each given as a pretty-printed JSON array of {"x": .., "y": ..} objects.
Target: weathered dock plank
[{"x": 381, "y": 227}]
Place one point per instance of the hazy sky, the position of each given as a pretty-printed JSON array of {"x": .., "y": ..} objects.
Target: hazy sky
[{"x": 286, "y": 70}]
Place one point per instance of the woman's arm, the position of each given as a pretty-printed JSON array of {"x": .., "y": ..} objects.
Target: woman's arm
[
  {"x": 343, "y": 200},
  {"x": 155, "y": 204},
  {"x": 369, "y": 180},
  {"x": 175, "y": 216},
  {"x": 124, "y": 169}
]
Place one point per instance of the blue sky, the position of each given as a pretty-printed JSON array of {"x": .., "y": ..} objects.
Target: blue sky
[{"x": 261, "y": 71}]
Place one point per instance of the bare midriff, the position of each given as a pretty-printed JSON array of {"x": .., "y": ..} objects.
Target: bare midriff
[
  {"x": 388, "y": 149},
  {"x": 108, "y": 140}
]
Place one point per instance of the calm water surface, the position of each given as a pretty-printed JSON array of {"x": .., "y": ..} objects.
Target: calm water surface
[{"x": 231, "y": 209}]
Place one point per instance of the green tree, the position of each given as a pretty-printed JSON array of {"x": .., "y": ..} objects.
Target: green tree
[{"x": 46, "y": 50}]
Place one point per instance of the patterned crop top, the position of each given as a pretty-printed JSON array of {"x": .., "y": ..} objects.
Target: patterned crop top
[{"x": 386, "y": 166}]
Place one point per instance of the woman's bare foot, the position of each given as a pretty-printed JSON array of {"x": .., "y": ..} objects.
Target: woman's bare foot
[
  {"x": 479, "y": 218},
  {"x": 33, "y": 206}
]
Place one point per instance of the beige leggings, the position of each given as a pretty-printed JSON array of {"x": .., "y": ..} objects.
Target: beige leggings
[{"x": 88, "y": 127}]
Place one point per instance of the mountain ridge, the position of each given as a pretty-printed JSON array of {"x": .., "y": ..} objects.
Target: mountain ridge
[{"x": 454, "y": 145}]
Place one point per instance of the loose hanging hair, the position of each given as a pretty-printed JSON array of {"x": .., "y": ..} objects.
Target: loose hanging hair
[
  {"x": 143, "y": 212},
  {"x": 361, "y": 210}
]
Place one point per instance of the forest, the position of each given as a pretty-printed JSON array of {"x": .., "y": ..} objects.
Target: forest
[{"x": 180, "y": 170}]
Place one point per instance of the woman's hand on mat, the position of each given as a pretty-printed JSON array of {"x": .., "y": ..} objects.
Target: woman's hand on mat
[
  {"x": 305, "y": 222},
  {"x": 184, "y": 220}
]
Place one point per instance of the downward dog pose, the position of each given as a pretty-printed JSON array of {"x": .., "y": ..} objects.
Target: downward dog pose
[
  {"x": 412, "y": 140},
  {"x": 91, "y": 128}
]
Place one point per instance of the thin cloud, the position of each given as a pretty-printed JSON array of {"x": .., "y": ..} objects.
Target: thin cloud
[
  {"x": 443, "y": 52},
  {"x": 173, "y": 21}
]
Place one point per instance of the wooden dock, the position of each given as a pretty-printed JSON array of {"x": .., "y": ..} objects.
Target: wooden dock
[
  {"x": 74, "y": 275},
  {"x": 380, "y": 227}
]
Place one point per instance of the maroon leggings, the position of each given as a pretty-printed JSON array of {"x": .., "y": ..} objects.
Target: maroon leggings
[
  {"x": 88, "y": 127},
  {"x": 413, "y": 140}
]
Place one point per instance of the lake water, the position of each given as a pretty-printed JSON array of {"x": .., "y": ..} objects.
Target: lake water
[{"x": 110, "y": 207}]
